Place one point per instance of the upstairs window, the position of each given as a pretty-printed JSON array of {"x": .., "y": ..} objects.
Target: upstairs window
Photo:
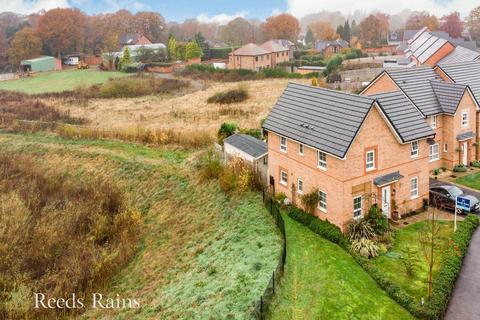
[
  {"x": 370, "y": 160},
  {"x": 322, "y": 160},
  {"x": 414, "y": 188},
  {"x": 283, "y": 144},
  {"x": 300, "y": 186},
  {"x": 434, "y": 152},
  {"x": 465, "y": 118},
  {"x": 414, "y": 149},
  {"x": 322, "y": 203},
  {"x": 433, "y": 122}
]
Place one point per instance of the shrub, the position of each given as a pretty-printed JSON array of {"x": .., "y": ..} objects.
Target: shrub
[
  {"x": 410, "y": 261},
  {"x": 476, "y": 163},
  {"x": 300, "y": 215},
  {"x": 210, "y": 166},
  {"x": 360, "y": 229},
  {"x": 365, "y": 247},
  {"x": 459, "y": 168},
  {"x": 226, "y": 130},
  {"x": 228, "y": 179},
  {"x": 450, "y": 266},
  {"x": 377, "y": 220},
  {"x": 436, "y": 172},
  {"x": 310, "y": 201},
  {"x": 231, "y": 96}
]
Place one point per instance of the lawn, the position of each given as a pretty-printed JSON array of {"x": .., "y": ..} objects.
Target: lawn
[
  {"x": 203, "y": 255},
  {"x": 390, "y": 263},
  {"x": 324, "y": 282},
  {"x": 471, "y": 180},
  {"x": 57, "y": 81}
]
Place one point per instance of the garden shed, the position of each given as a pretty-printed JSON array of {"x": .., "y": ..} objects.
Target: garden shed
[{"x": 44, "y": 63}]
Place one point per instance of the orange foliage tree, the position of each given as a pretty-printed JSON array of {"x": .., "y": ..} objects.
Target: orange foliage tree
[
  {"x": 419, "y": 20},
  {"x": 370, "y": 31},
  {"x": 282, "y": 26},
  {"x": 452, "y": 24},
  {"x": 25, "y": 44},
  {"x": 323, "y": 31}
]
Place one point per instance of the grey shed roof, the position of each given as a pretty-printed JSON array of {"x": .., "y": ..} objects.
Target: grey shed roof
[
  {"x": 404, "y": 117},
  {"x": 460, "y": 54},
  {"x": 465, "y": 73},
  {"x": 324, "y": 119},
  {"x": 248, "y": 144},
  {"x": 415, "y": 83},
  {"x": 465, "y": 135},
  {"x": 448, "y": 94},
  {"x": 387, "y": 178}
]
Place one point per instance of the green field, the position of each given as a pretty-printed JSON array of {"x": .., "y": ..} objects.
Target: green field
[
  {"x": 391, "y": 265},
  {"x": 471, "y": 180},
  {"x": 203, "y": 255},
  {"x": 57, "y": 81},
  {"x": 324, "y": 282}
]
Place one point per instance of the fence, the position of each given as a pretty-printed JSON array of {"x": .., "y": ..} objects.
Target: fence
[{"x": 262, "y": 306}]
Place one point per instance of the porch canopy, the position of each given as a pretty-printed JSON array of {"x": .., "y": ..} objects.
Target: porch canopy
[{"x": 387, "y": 179}]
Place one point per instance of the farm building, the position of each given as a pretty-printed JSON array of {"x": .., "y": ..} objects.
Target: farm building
[{"x": 44, "y": 63}]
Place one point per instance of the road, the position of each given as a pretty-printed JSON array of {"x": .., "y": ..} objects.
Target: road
[{"x": 434, "y": 182}]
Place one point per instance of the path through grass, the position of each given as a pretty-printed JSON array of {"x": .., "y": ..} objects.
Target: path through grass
[{"x": 324, "y": 282}]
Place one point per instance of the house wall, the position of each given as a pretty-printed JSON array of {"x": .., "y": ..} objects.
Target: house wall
[
  {"x": 381, "y": 85},
  {"x": 441, "y": 53},
  {"x": 253, "y": 63},
  {"x": 143, "y": 40},
  {"x": 467, "y": 103},
  {"x": 231, "y": 151},
  {"x": 347, "y": 178},
  {"x": 442, "y": 75},
  {"x": 331, "y": 50}
]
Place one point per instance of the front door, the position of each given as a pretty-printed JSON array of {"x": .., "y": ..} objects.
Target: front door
[
  {"x": 465, "y": 153},
  {"x": 386, "y": 201}
]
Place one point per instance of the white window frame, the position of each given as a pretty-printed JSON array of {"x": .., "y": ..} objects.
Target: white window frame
[
  {"x": 367, "y": 162},
  {"x": 414, "y": 151},
  {"x": 433, "y": 122},
  {"x": 414, "y": 190},
  {"x": 358, "y": 209},
  {"x": 301, "y": 149},
  {"x": 283, "y": 147},
  {"x": 299, "y": 182},
  {"x": 322, "y": 163},
  {"x": 445, "y": 147},
  {"x": 281, "y": 177},
  {"x": 322, "y": 205},
  {"x": 465, "y": 121},
  {"x": 431, "y": 156}
]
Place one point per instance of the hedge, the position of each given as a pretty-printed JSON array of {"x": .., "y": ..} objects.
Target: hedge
[
  {"x": 450, "y": 266},
  {"x": 220, "y": 53}
]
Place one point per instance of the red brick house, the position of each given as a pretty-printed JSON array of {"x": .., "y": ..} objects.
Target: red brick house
[
  {"x": 131, "y": 39},
  {"x": 255, "y": 58}
]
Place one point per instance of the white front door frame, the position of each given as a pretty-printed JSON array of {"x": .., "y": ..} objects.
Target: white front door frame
[
  {"x": 386, "y": 200},
  {"x": 465, "y": 153}
]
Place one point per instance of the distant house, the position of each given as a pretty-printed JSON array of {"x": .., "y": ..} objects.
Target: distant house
[
  {"x": 287, "y": 44},
  {"x": 254, "y": 57},
  {"x": 133, "y": 39},
  {"x": 279, "y": 53},
  {"x": 44, "y": 63},
  {"x": 331, "y": 47}
]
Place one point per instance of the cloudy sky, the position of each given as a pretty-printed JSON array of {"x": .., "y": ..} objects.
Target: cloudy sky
[{"x": 224, "y": 10}]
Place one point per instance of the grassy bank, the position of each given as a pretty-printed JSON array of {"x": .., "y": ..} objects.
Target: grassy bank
[
  {"x": 202, "y": 255},
  {"x": 324, "y": 282},
  {"x": 471, "y": 180}
]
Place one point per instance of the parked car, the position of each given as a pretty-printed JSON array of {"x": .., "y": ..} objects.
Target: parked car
[{"x": 445, "y": 197}]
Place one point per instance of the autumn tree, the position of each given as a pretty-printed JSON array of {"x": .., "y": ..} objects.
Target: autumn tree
[
  {"x": 473, "y": 24},
  {"x": 25, "y": 44},
  {"x": 282, "y": 26},
  {"x": 419, "y": 20},
  {"x": 370, "y": 31},
  {"x": 309, "y": 38},
  {"x": 109, "y": 48},
  {"x": 452, "y": 24},
  {"x": 62, "y": 30},
  {"x": 151, "y": 25},
  {"x": 238, "y": 32},
  {"x": 323, "y": 31},
  {"x": 172, "y": 47},
  {"x": 384, "y": 25},
  {"x": 192, "y": 50},
  {"x": 203, "y": 44}
]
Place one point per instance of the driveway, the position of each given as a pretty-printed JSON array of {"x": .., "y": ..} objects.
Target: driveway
[{"x": 463, "y": 303}]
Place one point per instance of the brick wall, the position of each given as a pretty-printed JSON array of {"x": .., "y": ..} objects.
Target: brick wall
[{"x": 381, "y": 85}]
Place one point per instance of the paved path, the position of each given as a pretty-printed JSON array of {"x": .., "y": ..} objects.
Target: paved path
[{"x": 464, "y": 303}]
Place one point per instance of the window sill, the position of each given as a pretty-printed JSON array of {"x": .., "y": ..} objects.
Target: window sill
[
  {"x": 323, "y": 210},
  {"x": 283, "y": 151},
  {"x": 414, "y": 197},
  {"x": 322, "y": 168},
  {"x": 433, "y": 160},
  {"x": 299, "y": 192},
  {"x": 283, "y": 183},
  {"x": 414, "y": 157},
  {"x": 371, "y": 169}
]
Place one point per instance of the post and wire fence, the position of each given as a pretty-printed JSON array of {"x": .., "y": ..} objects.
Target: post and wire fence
[{"x": 261, "y": 307}]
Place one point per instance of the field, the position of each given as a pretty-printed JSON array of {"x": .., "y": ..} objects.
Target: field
[
  {"x": 202, "y": 255},
  {"x": 471, "y": 180},
  {"x": 408, "y": 237},
  {"x": 57, "y": 81},
  {"x": 324, "y": 282}
]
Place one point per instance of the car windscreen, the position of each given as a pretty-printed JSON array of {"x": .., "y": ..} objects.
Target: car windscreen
[{"x": 455, "y": 191}]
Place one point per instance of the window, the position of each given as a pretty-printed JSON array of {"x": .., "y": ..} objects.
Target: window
[
  {"x": 283, "y": 144},
  {"x": 434, "y": 152},
  {"x": 414, "y": 149},
  {"x": 300, "y": 149},
  {"x": 414, "y": 188},
  {"x": 322, "y": 160},
  {"x": 283, "y": 177},
  {"x": 357, "y": 207},
  {"x": 322, "y": 203},
  {"x": 445, "y": 147},
  {"x": 433, "y": 122},
  {"x": 370, "y": 160},
  {"x": 465, "y": 118},
  {"x": 256, "y": 58},
  {"x": 300, "y": 186}
]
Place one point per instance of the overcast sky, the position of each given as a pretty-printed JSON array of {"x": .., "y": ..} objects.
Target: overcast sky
[{"x": 224, "y": 10}]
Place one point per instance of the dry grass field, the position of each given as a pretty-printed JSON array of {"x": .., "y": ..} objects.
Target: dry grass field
[{"x": 185, "y": 112}]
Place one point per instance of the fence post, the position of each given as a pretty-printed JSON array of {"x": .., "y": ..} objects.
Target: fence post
[
  {"x": 261, "y": 307},
  {"x": 273, "y": 282}
]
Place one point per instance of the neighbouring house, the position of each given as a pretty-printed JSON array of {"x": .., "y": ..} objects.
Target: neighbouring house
[
  {"x": 44, "y": 63},
  {"x": 287, "y": 44},
  {"x": 331, "y": 47},
  {"x": 130, "y": 39},
  {"x": 353, "y": 150},
  {"x": 449, "y": 108},
  {"x": 254, "y": 57},
  {"x": 395, "y": 37},
  {"x": 250, "y": 149}
]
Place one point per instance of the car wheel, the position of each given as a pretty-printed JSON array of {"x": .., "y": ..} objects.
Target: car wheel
[{"x": 460, "y": 211}]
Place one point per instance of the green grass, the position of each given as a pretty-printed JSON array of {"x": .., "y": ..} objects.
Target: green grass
[
  {"x": 203, "y": 255},
  {"x": 471, "y": 180},
  {"x": 57, "y": 81},
  {"x": 324, "y": 282},
  {"x": 393, "y": 268}
]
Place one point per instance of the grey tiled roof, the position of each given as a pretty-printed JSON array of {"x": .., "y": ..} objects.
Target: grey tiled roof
[
  {"x": 324, "y": 119},
  {"x": 322, "y": 45},
  {"x": 387, "y": 178},
  {"x": 415, "y": 83},
  {"x": 460, "y": 54},
  {"x": 248, "y": 144},
  {"x": 465, "y": 73},
  {"x": 465, "y": 135},
  {"x": 448, "y": 94},
  {"x": 404, "y": 117}
]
